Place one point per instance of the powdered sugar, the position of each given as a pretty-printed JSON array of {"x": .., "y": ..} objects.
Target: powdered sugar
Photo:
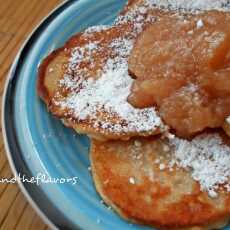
[
  {"x": 106, "y": 93},
  {"x": 80, "y": 53},
  {"x": 191, "y": 5},
  {"x": 137, "y": 11},
  {"x": 207, "y": 157},
  {"x": 138, "y": 15},
  {"x": 97, "y": 28},
  {"x": 228, "y": 120},
  {"x": 69, "y": 83},
  {"x": 199, "y": 24},
  {"x": 122, "y": 47},
  {"x": 109, "y": 93}
]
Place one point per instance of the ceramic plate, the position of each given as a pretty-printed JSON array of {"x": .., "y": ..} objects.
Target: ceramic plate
[{"x": 37, "y": 143}]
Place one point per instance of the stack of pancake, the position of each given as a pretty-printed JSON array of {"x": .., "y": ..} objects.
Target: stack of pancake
[{"x": 145, "y": 173}]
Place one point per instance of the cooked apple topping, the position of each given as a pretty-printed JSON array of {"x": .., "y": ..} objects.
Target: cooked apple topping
[{"x": 182, "y": 65}]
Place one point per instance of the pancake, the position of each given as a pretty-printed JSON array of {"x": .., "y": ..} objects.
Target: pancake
[
  {"x": 86, "y": 82},
  {"x": 139, "y": 180}
]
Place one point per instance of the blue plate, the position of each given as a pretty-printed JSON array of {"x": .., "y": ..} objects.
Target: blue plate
[{"x": 36, "y": 142}]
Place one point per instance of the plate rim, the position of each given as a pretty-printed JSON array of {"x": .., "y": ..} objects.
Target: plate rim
[{"x": 9, "y": 78}]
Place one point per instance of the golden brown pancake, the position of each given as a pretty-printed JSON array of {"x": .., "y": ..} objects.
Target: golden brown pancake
[
  {"x": 134, "y": 179},
  {"x": 70, "y": 78}
]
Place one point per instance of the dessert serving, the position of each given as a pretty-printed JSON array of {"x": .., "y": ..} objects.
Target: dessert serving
[{"x": 152, "y": 91}]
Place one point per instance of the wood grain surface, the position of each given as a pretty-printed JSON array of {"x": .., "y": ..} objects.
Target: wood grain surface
[{"x": 17, "y": 20}]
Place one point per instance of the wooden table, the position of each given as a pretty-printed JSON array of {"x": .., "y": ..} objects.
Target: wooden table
[{"x": 17, "y": 20}]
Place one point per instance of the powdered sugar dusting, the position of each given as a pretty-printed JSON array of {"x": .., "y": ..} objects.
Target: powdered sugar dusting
[
  {"x": 191, "y": 5},
  {"x": 97, "y": 28},
  {"x": 80, "y": 53},
  {"x": 137, "y": 15},
  {"x": 228, "y": 120},
  {"x": 142, "y": 8},
  {"x": 207, "y": 157},
  {"x": 107, "y": 92}
]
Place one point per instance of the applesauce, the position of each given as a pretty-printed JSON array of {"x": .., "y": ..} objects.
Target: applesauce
[{"x": 181, "y": 65}]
